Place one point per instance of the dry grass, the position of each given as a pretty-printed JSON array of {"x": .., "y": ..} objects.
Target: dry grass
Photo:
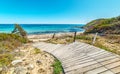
[
  {"x": 61, "y": 40},
  {"x": 8, "y": 44}
]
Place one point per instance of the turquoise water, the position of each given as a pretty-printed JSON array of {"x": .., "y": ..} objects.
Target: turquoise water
[{"x": 43, "y": 28}]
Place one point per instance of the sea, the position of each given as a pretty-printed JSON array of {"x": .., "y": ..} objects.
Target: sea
[{"x": 43, "y": 28}]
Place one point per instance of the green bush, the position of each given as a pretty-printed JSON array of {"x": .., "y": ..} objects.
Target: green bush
[
  {"x": 57, "y": 67},
  {"x": 12, "y": 37}
]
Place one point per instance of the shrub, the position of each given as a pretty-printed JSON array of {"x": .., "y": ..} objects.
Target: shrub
[
  {"x": 57, "y": 67},
  {"x": 5, "y": 59},
  {"x": 19, "y": 30}
]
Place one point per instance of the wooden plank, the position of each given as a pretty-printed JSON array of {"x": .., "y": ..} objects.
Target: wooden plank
[{"x": 79, "y": 58}]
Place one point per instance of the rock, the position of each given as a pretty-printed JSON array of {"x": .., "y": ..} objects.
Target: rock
[
  {"x": 20, "y": 70},
  {"x": 30, "y": 67},
  {"x": 16, "y": 62}
]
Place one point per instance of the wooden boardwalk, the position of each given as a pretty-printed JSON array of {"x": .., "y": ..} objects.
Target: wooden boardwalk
[{"x": 81, "y": 58}]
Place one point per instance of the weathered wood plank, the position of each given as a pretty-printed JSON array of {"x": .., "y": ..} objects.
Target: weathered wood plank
[{"x": 81, "y": 58}]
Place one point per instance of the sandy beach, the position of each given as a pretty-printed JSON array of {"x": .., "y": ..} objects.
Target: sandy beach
[{"x": 43, "y": 37}]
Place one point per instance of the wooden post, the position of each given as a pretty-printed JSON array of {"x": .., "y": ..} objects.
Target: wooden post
[
  {"x": 53, "y": 36},
  {"x": 94, "y": 38},
  {"x": 74, "y": 36}
]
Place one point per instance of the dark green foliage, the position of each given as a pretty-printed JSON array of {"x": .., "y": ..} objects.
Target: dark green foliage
[
  {"x": 57, "y": 67},
  {"x": 106, "y": 26},
  {"x": 19, "y": 30}
]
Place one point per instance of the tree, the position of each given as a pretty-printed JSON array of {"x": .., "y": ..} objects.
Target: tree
[{"x": 19, "y": 30}]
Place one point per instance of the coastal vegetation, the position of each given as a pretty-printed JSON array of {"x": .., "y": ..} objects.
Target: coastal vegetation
[
  {"x": 61, "y": 40},
  {"x": 8, "y": 43},
  {"x": 57, "y": 67},
  {"x": 108, "y": 31},
  {"x": 104, "y": 26},
  {"x": 19, "y": 30}
]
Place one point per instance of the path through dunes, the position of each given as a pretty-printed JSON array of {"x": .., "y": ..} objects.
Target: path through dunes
[{"x": 82, "y": 58}]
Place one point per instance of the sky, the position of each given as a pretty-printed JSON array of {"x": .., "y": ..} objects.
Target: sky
[{"x": 56, "y": 11}]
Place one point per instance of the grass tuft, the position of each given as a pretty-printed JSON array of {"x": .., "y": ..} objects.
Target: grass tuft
[
  {"x": 37, "y": 51},
  {"x": 57, "y": 67}
]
